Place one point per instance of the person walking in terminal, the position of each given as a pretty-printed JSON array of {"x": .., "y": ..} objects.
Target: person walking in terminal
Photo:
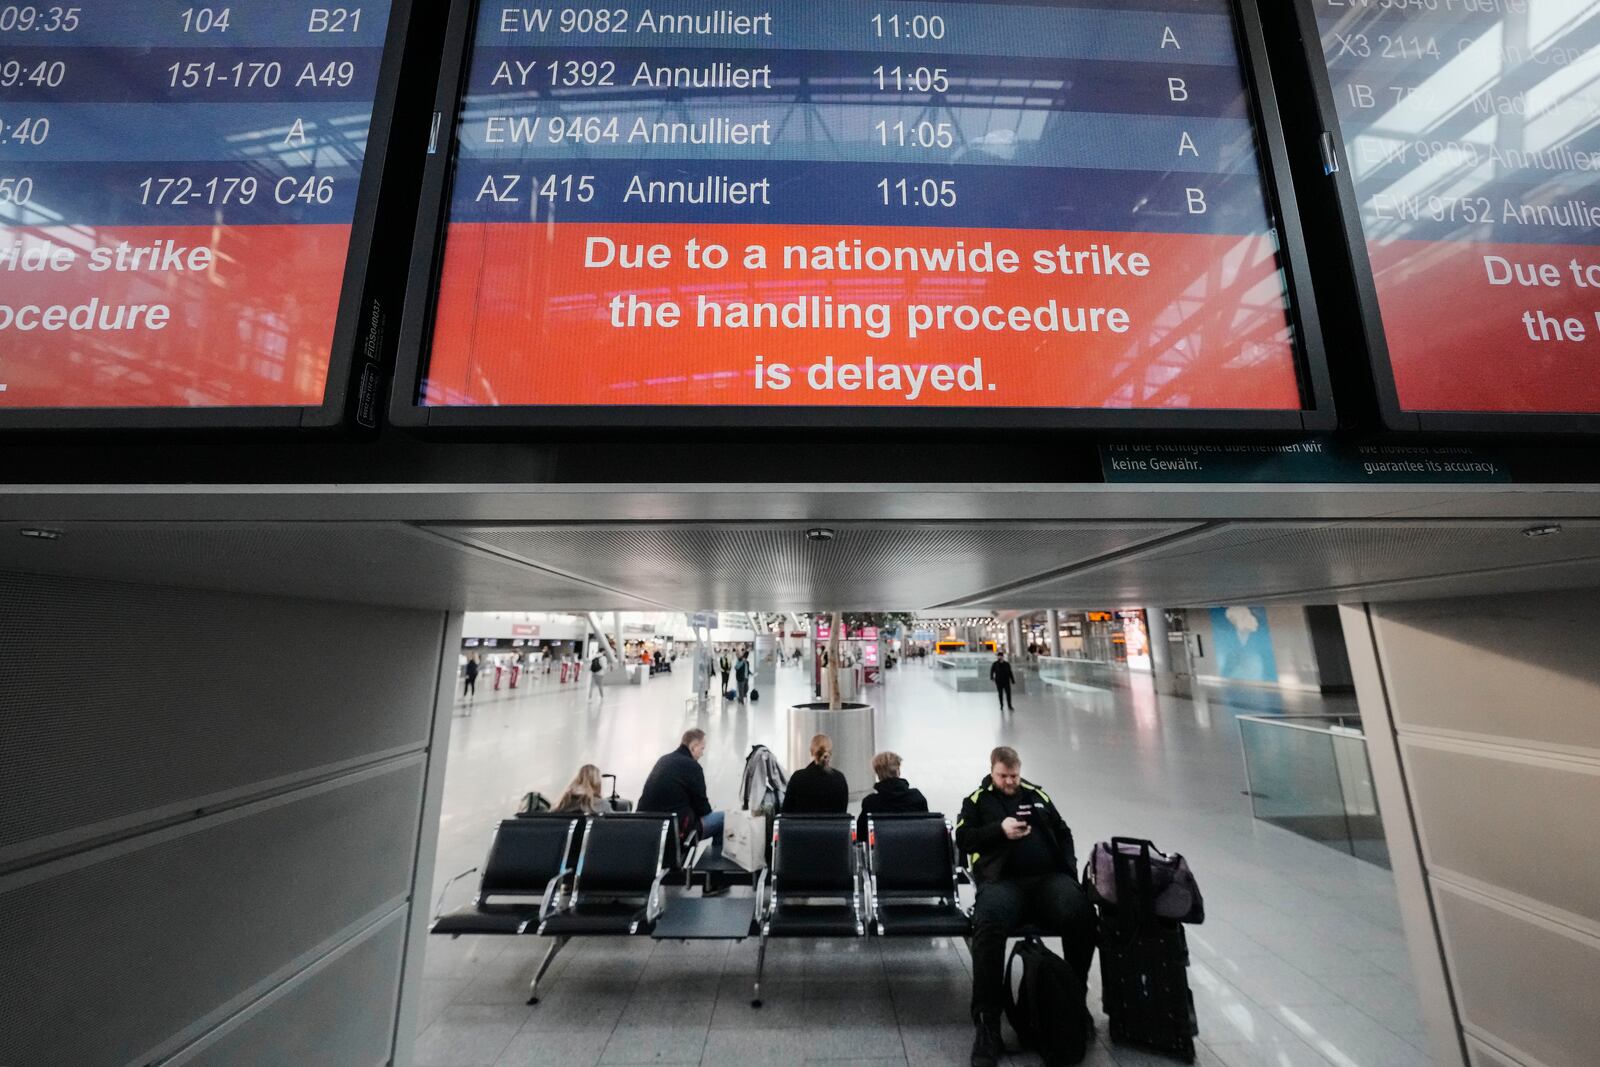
[
  {"x": 891, "y": 795},
  {"x": 1000, "y": 674},
  {"x": 818, "y": 789},
  {"x": 585, "y": 795},
  {"x": 597, "y": 668},
  {"x": 471, "y": 669},
  {"x": 1023, "y": 863},
  {"x": 727, "y": 667},
  {"x": 677, "y": 785}
]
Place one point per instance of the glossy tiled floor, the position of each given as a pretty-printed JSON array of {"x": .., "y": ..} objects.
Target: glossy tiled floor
[{"x": 1299, "y": 964}]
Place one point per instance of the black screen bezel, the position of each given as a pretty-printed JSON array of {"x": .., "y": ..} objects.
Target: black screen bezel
[
  {"x": 332, "y": 412},
  {"x": 405, "y": 409},
  {"x": 1394, "y": 416}
]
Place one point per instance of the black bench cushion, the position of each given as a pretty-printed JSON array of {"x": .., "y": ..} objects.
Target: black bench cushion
[
  {"x": 923, "y": 920},
  {"x": 600, "y": 918},
  {"x": 814, "y": 855},
  {"x": 488, "y": 919},
  {"x": 524, "y": 855},
  {"x": 622, "y": 855},
  {"x": 812, "y": 920},
  {"x": 911, "y": 855}
]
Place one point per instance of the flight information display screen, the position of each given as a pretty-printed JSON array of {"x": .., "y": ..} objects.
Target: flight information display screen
[
  {"x": 982, "y": 205},
  {"x": 1471, "y": 137},
  {"x": 178, "y": 182}
]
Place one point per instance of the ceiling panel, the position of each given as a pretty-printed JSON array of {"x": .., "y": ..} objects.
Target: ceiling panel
[
  {"x": 778, "y": 568},
  {"x": 371, "y": 563},
  {"x": 1234, "y": 563}
]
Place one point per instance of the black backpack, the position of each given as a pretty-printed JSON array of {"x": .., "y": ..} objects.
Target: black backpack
[{"x": 1046, "y": 1007}]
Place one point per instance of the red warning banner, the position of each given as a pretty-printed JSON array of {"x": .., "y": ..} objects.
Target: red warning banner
[
  {"x": 168, "y": 317},
  {"x": 681, "y": 314},
  {"x": 1491, "y": 327}
]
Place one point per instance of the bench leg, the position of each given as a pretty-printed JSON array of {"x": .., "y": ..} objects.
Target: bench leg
[
  {"x": 761, "y": 963},
  {"x": 544, "y": 965}
]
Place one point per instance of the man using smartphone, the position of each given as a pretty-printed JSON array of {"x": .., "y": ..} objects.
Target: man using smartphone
[{"x": 1024, "y": 864}]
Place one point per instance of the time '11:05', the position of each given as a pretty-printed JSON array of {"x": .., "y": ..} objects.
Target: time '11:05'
[{"x": 912, "y": 192}]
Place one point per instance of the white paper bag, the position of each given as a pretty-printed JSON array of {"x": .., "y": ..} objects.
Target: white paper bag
[{"x": 744, "y": 839}]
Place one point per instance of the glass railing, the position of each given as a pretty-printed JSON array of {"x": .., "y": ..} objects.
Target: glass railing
[
  {"x": 1071, "y": 672},
  {"x": 1310, "y": 774}
]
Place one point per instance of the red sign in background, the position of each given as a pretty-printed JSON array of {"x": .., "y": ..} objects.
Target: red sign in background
[
  {"x": 254, "y": 329},
  {"x": 1459, "y": 343},
  {"x": 522, "y": 321}
]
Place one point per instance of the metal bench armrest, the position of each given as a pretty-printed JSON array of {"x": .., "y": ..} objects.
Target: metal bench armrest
[
  {"x": 550, "y": 903},
  {"x": 438, "y": 909},
  {"x": 763, "y": 901},
  {"x": 655, "y": 903}
]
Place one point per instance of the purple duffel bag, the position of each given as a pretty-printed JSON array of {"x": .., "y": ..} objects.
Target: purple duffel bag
[{"x": 1135, "y": 866}]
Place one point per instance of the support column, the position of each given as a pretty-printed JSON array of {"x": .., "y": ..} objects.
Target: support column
[
  {"x": 1053, "y": 630},
  {"x": 612, "y": 660},
  {"x": 1155, "y": 626}
]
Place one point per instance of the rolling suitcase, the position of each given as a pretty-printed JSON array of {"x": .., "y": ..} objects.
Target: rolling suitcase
[
  {"x": 618, "y": 804},
  {"x": 1144, "y": 960}
]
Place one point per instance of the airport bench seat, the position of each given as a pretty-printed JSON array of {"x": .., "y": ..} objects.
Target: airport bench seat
[
  {"x": 912, "y": 877},
  {"x": 812, "y": 887},
  {"x": 617, "y": 886},
  {"x": 521, "y": 879}
]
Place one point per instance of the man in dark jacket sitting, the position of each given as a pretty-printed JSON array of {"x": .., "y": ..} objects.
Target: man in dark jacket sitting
[
  {"x": 677, "y": 785},
  {"x": 1023, "y": 862},
  {"x": 817, "y": 789},
  {"x": 892, "y": 795}
]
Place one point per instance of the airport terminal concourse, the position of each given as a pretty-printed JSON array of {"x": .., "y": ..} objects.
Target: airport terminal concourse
[{"x": 847, "y": 531}]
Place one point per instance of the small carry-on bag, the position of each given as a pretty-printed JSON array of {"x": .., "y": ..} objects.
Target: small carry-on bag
[
  {"x": 1045, "y": 1003},
  {"x": 1144, "y": 957},
  {"x": 1171, "y": 881}
]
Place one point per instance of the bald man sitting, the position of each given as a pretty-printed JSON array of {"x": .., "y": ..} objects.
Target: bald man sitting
[{"x": 817, "y": 789}]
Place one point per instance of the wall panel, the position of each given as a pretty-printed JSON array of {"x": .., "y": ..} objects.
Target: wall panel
[
  {"x": 1528, "y": 985},
  {"x": 1492, "y": 703},
  {"x": 112, "y": 953},
  {"x": 212, "y": 822},
  {"x": 226, "y": 694},
  {"x": 338, "y": 1014}
]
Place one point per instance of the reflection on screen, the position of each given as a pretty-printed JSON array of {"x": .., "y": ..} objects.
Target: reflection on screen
[
  {"x": 1471, "y": 131},
  {"x": 177, "y": 184},
  {"x": 893, "y": 205}
]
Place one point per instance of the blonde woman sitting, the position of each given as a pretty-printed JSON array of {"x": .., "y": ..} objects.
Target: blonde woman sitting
[{"x": 585, "y": 795}]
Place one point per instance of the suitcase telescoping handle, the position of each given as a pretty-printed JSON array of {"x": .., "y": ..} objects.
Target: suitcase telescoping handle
[
  {"x": 613, "y": 778},
  {"x": 1132, "y": 872}
]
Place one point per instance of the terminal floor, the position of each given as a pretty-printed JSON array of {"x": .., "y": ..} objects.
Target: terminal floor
[{"x": 1300, "y": 963}]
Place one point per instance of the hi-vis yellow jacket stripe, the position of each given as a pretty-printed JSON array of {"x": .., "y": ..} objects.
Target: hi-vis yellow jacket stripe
[{"x": 972, "y": 857}]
